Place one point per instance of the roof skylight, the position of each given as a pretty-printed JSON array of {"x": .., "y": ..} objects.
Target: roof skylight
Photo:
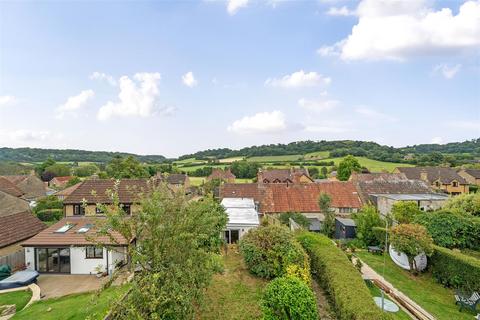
[
  {"x": 85, "y": 228},
  {"x": 65, "y": 228}
]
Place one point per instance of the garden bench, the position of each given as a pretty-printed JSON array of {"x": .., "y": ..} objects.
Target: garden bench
[
  {"x": 468, "y": 302},
  {"x": 374, "y": 249}
]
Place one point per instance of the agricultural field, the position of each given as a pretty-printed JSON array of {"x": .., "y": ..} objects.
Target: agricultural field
[
  {"x": 197, "y": 181},
  {"x": 319, "y": 155},
  {"x": 189, "y": 161},
  {"x": 269, "y": 159},
  {"x": 373, "y": 165},
  {"x": 230, "y": 160}
]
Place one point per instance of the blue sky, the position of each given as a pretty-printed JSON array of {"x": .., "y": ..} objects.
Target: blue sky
[{"x": 177, "y": 77}]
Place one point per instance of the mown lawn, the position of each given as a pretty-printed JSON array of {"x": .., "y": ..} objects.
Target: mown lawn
[
  {"x": 73, "y": 307},
  {"x": 18, "y": 298},
  {"x": 423, "y": 289},
  {"x": 235, "y": 294}
]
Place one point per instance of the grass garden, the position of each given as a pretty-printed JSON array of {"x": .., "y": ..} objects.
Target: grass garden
[
  {"x": 18, "y": 298},
  {"x": 423, "y": 288},
  {"x": 76, "y": 306}
]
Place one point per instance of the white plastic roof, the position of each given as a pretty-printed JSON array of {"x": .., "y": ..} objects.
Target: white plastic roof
[{"x": 241, "y": 211}]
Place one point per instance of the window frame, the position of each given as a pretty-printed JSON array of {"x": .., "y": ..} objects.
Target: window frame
[
  {"x": 78, "y": 210},
  {"x": 95, "y": 252}
]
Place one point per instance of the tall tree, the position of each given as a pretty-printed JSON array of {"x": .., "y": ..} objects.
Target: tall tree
[
  {"x": 129, "y": 167},
  {"x": 324, "y": 202},
  {"x": 366, "y": 220},
  {"x": 348, "y": 165},
  {"x": 175, "y": 249}
]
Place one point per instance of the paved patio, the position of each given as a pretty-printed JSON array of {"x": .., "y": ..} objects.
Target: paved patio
[{"x": 57, "y": 285}]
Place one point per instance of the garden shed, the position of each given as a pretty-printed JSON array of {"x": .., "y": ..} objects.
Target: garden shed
[
  {"x": 242, "y": 216},
  {"x": 345, "y": 228}
]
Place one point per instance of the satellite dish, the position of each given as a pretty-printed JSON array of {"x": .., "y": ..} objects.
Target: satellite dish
[{"x": 401, "y": 259}]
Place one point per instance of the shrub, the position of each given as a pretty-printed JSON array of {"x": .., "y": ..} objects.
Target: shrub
[
  {"x": 289, "y": 298},
  {"x": 452, "y": 230},
  {"x": 455, "y": 269},
  {"x": 405, "y": 211},
  {"x": 270, "y": 249},
  {"x": 48, "y": 202},
  {"x": 297, "y": 217},
  {"x": 299, "y": 272},
  {"x": 467, "y": 202},
  {"x": 345, "y": 286},
  {"x": 50, "y": 214},
  {"x": 366, "y": 219}
]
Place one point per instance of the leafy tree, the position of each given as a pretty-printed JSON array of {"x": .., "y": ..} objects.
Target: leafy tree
[
  {"x": 129, "y": 167},
  {"x": 86, "y": 170},
  {"x": 467, "y": 202},
  {"x": 58, "y": 170},
  {"x": 324, "y": 171},
  {"x": 405, "y": 211},
  {"x": 210, "y": 186},
  {"x": 72, "y": 182},
  {"x": 49, "y": 208},
  {"x": 313, "y": 172},
  {"x": 297, "y": 217},
  {"x": 289, "y": 298},
  {"x": 176, "y": 244},
  {"x": 366, "y": 220},
  {"x": 269, "y": 250},
  {"x": 41, "y": 167},
  {"x": 452, "y": 229},
  {"x": 244, "y": 169},
  {"x": 328, "y": 226},
  {"x": 348, "y": 165},
  {"x": 411, "y": 239}
]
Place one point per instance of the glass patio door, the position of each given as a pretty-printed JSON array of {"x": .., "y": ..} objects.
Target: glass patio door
[{"x": 53, "y": 260}]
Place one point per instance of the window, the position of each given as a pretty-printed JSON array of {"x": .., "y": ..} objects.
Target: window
[
  {"x": 65, "y": 228},
  {"x": 437, "y": 184},
  {"x": 345, "y": 210},
  {"x": 85, "y": 228},
  {"x": 455, "y": 183},
  {"x": 78, "y": 210},
  {"x": 231, "y": 236},
  {"x": 94, "y": 253},
  {"x": 127, "y": 208}
]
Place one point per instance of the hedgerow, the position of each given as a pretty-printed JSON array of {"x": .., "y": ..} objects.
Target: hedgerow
[
  {"x": 455, "y": 269},
  {"x": 269, "y": 250},
  {"x": 289, "y": 298},
  {"x": 346, "y": 288}
]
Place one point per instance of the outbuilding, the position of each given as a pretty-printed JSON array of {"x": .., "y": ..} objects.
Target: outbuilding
[
  {"x": 242, "y": 216},
  {"x": 345, "y": 228}
]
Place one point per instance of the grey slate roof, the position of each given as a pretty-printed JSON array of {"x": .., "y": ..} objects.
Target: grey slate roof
[{"x": 444, "y": 174}]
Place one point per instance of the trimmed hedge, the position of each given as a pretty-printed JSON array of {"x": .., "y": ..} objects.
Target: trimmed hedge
[
  {"x": 50, "y": 214},
  {"x": 348, "y": 292},
  {"x": 455, "y": 269},
  {"x": 289, "y": 298},
  {"x": 269, "y": 250}
]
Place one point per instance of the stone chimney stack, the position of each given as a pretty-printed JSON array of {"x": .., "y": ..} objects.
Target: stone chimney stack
[{"x": 424, "y": 175}]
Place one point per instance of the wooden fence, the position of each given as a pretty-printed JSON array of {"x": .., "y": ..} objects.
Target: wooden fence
[{"x": 15, "y": 260}]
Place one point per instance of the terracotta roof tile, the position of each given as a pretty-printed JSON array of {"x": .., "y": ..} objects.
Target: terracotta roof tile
[
  {"x": 19, "y": 226},
  {"x": 49, "y": 236},
  {"x": 221, "y": 174},
  {"x": 97, "y": 190},
  {"x": 9, "y": 187}
]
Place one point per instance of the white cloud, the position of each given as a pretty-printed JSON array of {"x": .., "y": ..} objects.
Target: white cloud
[
  {"x": 398, "y": 29},
  {"x": 103, "y": 76},
  {"x": 447, "y": 71},
  {"x": 75, "y": 103},
  {"x": 234, "y": 5},
  {"x": 137, "y": 97},
  {"x": 373, "y": 114},
  {"x": 437, "y": 140},
  {"x": 7, "y": 100},
  {"x": 343, "y": 11},
  {"x": 318, "y": 105},
  {"x": 27, "y": 135},
  {"x": 263, "y": 122},
  {"x": 189, "y": 79},
  {"x": 299, "y": 79}
]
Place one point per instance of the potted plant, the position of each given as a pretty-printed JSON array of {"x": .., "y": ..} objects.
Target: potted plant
[{"x": 99, "y": 270}]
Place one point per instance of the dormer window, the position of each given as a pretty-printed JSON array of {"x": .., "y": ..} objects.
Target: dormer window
[
  {"x": 455, "y": 183},
  {"x": 437, "y": 184}
]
